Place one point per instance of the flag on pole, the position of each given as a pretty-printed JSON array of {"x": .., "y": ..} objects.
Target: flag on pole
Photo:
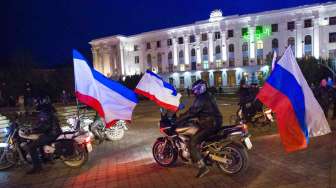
[
  {"x": 110, "y": 99},
  {"x": 299, "y": 115},
  {"x": 156, "y": 89}
]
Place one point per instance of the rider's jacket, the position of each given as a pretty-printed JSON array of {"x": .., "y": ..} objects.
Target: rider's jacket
[
  {"x": 205, "y": 108},
  {"x": 47, "y": 121}
]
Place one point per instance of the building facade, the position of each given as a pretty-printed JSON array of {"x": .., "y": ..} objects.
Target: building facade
[{"x": 222, "y": 49}]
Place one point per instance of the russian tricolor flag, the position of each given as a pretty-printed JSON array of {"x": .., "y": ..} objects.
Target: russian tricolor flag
[
  {"x": 110, "y": 99},
  {"x": 298, "y": 113},
  {"x": 156, "y": 89}
]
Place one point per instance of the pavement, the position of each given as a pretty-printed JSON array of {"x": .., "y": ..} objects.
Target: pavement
[{"x": 129, "y": 163}]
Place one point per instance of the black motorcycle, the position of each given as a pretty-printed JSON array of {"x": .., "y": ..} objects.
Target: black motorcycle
[
  {"x": 71, "y": 147},
  {"x": 227, "y": 148}
]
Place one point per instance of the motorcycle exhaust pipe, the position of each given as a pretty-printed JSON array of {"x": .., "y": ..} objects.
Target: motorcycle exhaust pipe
[{"x": 218, "y": 158}]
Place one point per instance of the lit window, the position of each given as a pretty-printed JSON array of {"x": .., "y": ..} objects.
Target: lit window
[
  {"x": 260, "y": 45},
  {"x": 182, "y": 67},
  {"x": 205, "y": 64}
]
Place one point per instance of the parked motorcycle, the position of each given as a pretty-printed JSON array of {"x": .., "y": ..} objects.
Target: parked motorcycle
[
  {"x": 227, "y": 148},
  {"x": 70, "y": 147}
]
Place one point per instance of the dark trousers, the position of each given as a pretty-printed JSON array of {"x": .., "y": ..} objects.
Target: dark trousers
[
  {"x": 198, "y": 138},
  {"x": 334, "y": 110},
  {"x": 325, "y": 109},
  {"x": 33, "y": 146}
]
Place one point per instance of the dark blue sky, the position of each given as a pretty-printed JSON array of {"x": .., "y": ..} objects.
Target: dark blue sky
[{"x": 47, "y": 30}]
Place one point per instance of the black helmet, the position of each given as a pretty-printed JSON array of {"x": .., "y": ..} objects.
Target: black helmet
[{"x": 199, "y": 87}]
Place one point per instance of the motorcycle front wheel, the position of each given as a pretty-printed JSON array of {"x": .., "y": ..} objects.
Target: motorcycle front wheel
[
  {"x": 7, "y": 159},
  {"x": 115, "y": 133},
  {"x": 237, "y": 158},
  {"x": 79, "y": 158},
  {"x": 164, "y": 155}
]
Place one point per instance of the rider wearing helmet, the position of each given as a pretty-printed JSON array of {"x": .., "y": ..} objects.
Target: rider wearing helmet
[
  {"x": 47, "y": 126},
  {"x": 204, "y": 108}
]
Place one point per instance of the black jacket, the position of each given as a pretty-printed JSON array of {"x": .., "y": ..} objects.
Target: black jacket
[
  {"x": 205, "y": 108},
  {"x": 324, "y": 95},
  {"x": 48, "y": 123}
]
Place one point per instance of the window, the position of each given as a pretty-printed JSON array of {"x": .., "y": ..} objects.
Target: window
[
  {"x": 204, "y": 36},
  {"x": 182, "y": 67},
  {"x": 193, "y": 79},
  {"x": 244, "y": 31},
  {"x": 230, "y": 33},
  {"x": 158, "y": 44},
  {"x": 193, "y": 52},
  {"x": 149, "y": 60},
  {"x": 291, "y": 25},
  {"x": 308, "y": 40},
  {"x": 332, "y": 37},
  {"x": 136, "y": 60},
  {"x": 308, "y": 23},
  {"x": 159, "y": 58},
  {"x": 148, "y": 45},
  {"x": 181, "y": 55},
  {"x": 170, "y": 56},
  {"x": 218, "y": 50},
  {"x": 205, "y": 65},
  {"x": 205, "y": 51},
  {"x": 169, "y": 42},
  {"x": 136, "y": 47},
  {"x": 245, "y": 47},
  {"x": 275, "y": 44},
  {"x": 217, "y": 35},
  {"x": 274, "y": 27},
  {"x": 171, "y": 81},
  {"x": 192, "y": 38},
  {"x": 231, "y": 48},
  {"x": 181, "y": 82},
  {"x": 332, "y": 20},
  {"x": 180, "y": 40},
  {"x": 291, "y": 42}
]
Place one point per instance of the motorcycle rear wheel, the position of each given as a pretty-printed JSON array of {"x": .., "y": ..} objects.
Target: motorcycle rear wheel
[
  {"x": 115, "y": 133},
  {"x": 6, "y": 163},
  {"x": 239, "y": 159},
  {"x": 165, "y": 157},
  {"x": 80, "y": 158}
]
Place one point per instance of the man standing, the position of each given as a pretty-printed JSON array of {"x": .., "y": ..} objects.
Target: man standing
[{"x": 323, "y": 95}]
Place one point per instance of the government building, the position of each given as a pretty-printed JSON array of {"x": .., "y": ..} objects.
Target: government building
[{"x": 222, "y": 49}]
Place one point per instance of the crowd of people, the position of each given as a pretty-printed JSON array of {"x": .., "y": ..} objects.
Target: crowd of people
[
  {"x": 28, "y": 96},
  {"x": 325, "y": 94}
]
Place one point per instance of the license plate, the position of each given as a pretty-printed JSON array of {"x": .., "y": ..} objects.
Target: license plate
[
  {"x": 248, "y": 143},
  {"x": 89, "y": 147}
]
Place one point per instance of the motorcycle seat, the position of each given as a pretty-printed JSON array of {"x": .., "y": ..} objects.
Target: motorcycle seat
[{"x": 187, "y": 129}]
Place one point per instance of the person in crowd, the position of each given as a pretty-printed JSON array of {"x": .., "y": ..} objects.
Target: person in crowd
[
  {"x": 188, "y": 91},
  {"x": 28, "y": 95},
  {"x": 64, "y": 97},
  {"x": 245, "y": 97},
  {"x": 210, "y": 119},
  {"x": 323, "y": 95},
  {"x": 49, "y": 128},
  {"x": 334, "y": 100}
]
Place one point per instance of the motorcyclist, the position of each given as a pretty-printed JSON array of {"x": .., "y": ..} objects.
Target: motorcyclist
[
  {"x": 204, "y": 108},
  {"x": 245, "y": 97},
  {"x": 48, "y": 127}
]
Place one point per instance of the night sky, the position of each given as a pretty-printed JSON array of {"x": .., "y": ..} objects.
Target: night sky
[{"x": 46, "y": 30}]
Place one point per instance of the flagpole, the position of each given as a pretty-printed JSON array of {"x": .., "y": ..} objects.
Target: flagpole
[{"x": 77, "y": 102}]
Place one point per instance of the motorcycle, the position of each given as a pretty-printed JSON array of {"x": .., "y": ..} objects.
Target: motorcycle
[
  {"x": 98, "y": 129},
  {"x": 254, "y": 113},
  {"x": 227, "y": 148},
  {"x": 72, "y": 148}
]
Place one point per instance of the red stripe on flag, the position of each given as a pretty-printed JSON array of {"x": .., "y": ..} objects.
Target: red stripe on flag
[
  {"x": 153, "y": 98},
  {"x": 291, "y": 134},
  {"x": 92, "y": 102}
]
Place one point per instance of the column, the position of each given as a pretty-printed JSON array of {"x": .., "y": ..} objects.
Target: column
[
  {"x": 106, "y": 61},
  {"x": 198, "y": 49},
  {"x": 175, "y": 55},
  {"x": 121, "y": 47},
  {"x": 316, "y": 39},
  {"x": 252, "y": 42},
  {"x": 186, "y": 50},
  {"x": 224, "y": 48},
  {"x": 211, "y": 51},
  {"x": 299, "y": 44},
  {"x": 94, "y": 58}
]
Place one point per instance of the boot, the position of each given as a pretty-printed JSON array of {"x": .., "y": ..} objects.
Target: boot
[{"x": 203, "y": 169}]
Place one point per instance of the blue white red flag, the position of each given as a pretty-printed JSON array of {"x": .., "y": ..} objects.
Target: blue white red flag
[
  {"x": 109, "y": 98},
  {"x": 156, "y": 89},
  {"x": 299, "y": 115}
]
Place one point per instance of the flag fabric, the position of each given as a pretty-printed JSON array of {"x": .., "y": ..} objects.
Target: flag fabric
[
  {"x": 156, "y": 89},
  {"x": 110, "y": 99},
  {"x": 298, "y": 113}
]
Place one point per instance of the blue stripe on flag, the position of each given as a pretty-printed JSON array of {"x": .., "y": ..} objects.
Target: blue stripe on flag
[
  {"x": 113, "y": 85},
  {"x": 286, "y": 83},
  {"x": 165, "y": 84}
]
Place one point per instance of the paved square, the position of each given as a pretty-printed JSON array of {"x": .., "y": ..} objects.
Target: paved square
[{"x": 129, "y": 163}]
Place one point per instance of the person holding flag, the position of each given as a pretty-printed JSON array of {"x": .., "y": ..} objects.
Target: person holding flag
[{"x": 298, "y": 113}]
